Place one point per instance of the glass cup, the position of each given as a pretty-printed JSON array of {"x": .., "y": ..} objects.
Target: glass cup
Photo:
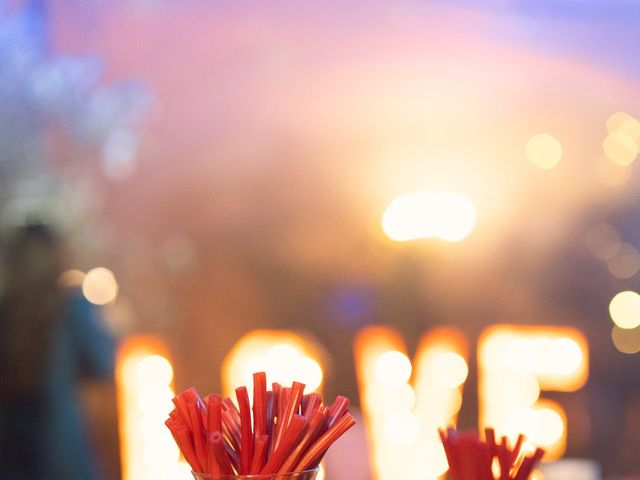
[{"x": 304, "y": 475}]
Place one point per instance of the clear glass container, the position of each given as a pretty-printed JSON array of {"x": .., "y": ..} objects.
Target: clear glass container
[{"x": 304, "y": 475}]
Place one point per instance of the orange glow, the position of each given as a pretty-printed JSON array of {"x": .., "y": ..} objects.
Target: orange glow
[
  {"x": 144, "y": 389},
  {"x": 515, "y": 364},
  {"x": 284, "y": 355},
  {"x": 402, "y": 421}
]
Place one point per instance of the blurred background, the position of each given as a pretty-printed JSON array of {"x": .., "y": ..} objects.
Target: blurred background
[{"x": 347, "y": 180}]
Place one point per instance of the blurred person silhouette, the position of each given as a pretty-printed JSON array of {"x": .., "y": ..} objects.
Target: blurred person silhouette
[{"x": 51, "y": 337}]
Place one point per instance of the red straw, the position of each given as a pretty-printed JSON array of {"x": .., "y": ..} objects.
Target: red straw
[
  {"x": 217, "y": 444},
  {"x": 338, "y": 408},
  {"x": 293, "y": 397},
  {"x": 246, "y": 451},
  {"x": 198, "y": 433},
  {"x": 317, "y": 425},
  {"x": 259, "y": 453},
  {"x": 183, "y": 439},
  {"x": 289, "y": 440},
  {"x": 259, "y": 404},
  {"x": 310, "y": 402},
  {"x": 214, "y": 413},
  {"x": 231, "y": 429},
  {"x": 314, "y": 453}
]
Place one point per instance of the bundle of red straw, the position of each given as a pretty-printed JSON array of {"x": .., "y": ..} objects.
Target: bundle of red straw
[
  {"x": 285, "y": 431},
  {"x": 470, "y": 458}
]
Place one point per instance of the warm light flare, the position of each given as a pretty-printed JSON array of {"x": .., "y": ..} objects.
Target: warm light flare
[
  {"x": 285, "y": 356},
  {"x": 144, "y": 387},
  {"x": 448, "y": 216}
]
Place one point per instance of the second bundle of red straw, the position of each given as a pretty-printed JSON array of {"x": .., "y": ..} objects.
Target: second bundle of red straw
[{"x": 471, "y": 458}]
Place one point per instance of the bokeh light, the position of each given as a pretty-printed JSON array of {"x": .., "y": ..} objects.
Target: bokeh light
[
  {"x": 631, "y": 127},
  {"x": 100, "y": 286},
  {"x": 155, "y": 369},
  {"x": 626, "y": 340},
  {"x": 449, "y": 369},
  {"x": 625, "y": 309},
  {"x": 544, "y": 151},
  {"x": 393, "y": 368},
  {"x": 401, "y": 428},
  {"x": 551, "y": 427},
  {"x": 402, "y": 420},
  {"x": 402, "y": 397},
  {"x": 144, "y": 388},
  {"x": 448, "y": 216},
  {"x": 603, "y": 241},
  {"x": 542, "y": 426},
  {"x": 71, "y": 278},
  {"x": 625, "y": 263},
  {"x": 543, "y": 356},
  {"x": 620, "y": 148},
  {"x": 285, "y": 356},
  {"x": 616, "y": 120}
]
